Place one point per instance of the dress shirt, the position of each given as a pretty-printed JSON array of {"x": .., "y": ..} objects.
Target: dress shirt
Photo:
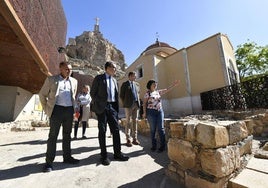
[
  {"x": 65, "y": 93},
  {"x": 110, "y": 88}
]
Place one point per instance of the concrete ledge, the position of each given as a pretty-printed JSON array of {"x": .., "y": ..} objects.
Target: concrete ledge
[
  {"x": 260, "y": 165},
  {"x": 255, "y": 175},
  {"x": 249, "y": 178}
]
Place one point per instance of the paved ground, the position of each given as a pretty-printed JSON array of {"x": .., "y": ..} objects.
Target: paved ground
[{"x": 22, "y": 155}]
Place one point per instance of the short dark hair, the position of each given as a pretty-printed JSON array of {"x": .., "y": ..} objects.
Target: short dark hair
[
  {"x": 63, "y": 63},
  {"x": 131, "y": 73},
  {"x": 149, "y": 83},
  {"x": 109, "y": 64}
]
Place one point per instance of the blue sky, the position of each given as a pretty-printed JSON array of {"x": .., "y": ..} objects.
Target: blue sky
[{"x": 132, "y": 24}]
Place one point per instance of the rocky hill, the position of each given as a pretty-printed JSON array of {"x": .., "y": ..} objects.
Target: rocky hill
[{"x": 88, "y": 53}]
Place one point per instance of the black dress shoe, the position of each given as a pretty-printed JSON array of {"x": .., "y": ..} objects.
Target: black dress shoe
[
  {"x": 47, "y": 168},
  {"x": 71, "y": 160},
  {"x": 105, "y": 161},
  {"x": 121, "y": 157},
  {"x": 153, "y": 149},
  {"x": 161, "y": 149}
]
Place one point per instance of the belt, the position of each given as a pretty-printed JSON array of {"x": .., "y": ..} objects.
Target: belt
[
  {"x": 63, "y": 106},
  {"x": 111, "y": 102}
]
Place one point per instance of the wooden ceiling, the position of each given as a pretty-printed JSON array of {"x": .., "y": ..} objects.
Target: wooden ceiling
[{"x": 19, "y": 63}]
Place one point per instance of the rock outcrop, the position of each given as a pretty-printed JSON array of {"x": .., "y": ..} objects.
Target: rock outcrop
[{"x": 89, "y": 52}]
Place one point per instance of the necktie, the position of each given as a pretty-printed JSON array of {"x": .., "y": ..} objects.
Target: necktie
[
  {"x": 133, "y": 91},
  {"x": 110, "y": 89}
]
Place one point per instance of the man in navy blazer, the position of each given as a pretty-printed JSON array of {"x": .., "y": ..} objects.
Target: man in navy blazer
[{"x": 105, "y": 104}]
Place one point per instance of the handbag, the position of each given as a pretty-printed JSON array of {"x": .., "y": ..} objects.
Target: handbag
[{"x": 80, "y": 113}]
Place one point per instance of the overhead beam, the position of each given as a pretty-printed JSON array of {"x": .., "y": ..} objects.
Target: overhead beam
[{"x": 13, "y": 20}]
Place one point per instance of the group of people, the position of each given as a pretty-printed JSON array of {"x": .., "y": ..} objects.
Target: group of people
[{"x": 58, "y": 100}]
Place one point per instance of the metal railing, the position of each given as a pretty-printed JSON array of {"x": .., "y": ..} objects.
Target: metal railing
[{"x": 250, "y": 94}]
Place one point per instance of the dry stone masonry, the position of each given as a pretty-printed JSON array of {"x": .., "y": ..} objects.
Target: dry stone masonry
[
  {"x": 209, "y": 150},
  {"x": 207, "y": 154}
]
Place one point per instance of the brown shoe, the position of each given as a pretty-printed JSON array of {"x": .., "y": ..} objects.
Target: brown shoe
[
  {"x": 128, "y": 143},
  {"x": 136, "y": 142}
]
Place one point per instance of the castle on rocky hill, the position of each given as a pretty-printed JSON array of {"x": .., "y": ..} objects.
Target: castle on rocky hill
[{"x": 89, "y": 52}]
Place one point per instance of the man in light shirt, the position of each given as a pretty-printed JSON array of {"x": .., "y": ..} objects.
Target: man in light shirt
[{"x": 57, "y": 97}]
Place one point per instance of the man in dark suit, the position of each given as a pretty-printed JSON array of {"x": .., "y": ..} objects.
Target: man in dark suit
[
  {"x": 129, "y": 94},
  {"x": 105, "y": 104}
]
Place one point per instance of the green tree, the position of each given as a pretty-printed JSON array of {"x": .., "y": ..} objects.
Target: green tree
[{"x": 251, "y": 60}]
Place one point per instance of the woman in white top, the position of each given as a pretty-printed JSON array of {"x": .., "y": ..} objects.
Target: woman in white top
[
  {"x": 83, "y": 107},
  {"x": 152, "y": 110}
]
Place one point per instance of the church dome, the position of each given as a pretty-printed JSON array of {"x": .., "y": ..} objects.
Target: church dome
[
  {"x": 158, "y": 44},
  {"x": 159, "y": 48}
]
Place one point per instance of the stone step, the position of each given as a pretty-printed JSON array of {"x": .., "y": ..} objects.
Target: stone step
[{"x": 255, "y": 175}]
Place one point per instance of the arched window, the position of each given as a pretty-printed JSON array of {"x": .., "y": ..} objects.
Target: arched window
[{"x": 139, "y": 72}]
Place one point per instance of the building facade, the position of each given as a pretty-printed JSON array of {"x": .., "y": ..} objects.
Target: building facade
[{"x": 203, "y": 66}]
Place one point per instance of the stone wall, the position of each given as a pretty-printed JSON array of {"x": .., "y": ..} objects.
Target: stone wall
[
  {"x": 256, "y": 120},
  {"x": 207, "y": 152}
]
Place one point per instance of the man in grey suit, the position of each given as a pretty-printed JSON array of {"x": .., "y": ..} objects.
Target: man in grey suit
[
  {"x": 57, "y": 97},
  {"x": 129, "y": 94},
  {"x": 105, "y": 104}
]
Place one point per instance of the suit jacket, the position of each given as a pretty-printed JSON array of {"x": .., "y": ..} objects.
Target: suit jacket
[
  {"x": 99, "y": 95},
  {"x": 50, "y": 90},
  {"x": 126, "y": 94}
]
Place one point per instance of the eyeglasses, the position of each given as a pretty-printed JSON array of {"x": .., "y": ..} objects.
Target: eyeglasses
[{"x": 111, "y": 66}]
